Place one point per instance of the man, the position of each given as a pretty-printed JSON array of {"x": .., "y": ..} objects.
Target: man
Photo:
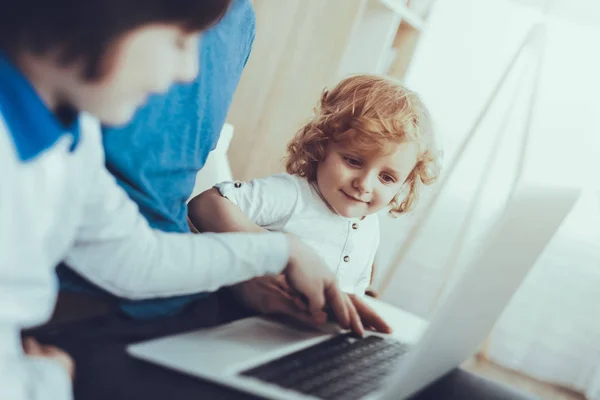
[{"x": 58, "y": 201}]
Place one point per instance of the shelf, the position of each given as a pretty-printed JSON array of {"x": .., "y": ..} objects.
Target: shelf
[
  {"x": 370, "y": 45},
  {"x": 412, "y": 18}
]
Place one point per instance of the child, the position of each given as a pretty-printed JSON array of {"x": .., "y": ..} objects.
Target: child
[
  {"x": 370, "y": 138},
  {"x": 59, "y": 61}
]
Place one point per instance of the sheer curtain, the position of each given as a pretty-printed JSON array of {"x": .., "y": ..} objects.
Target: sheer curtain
[{"x": 551, "y": 329}]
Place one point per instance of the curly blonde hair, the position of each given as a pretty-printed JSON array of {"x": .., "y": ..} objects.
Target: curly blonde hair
[{"x": 368, "y": 113}]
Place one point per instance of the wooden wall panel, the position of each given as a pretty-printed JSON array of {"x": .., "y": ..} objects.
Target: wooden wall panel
[{"x": 297, "y": 52}]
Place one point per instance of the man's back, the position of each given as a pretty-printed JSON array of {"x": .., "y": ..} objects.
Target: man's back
[
  {"x": 156, "y": 157},
  {"x": 169, "y": 139}
]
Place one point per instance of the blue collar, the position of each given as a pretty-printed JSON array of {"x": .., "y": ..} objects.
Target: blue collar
[{"x": 32, "y": 126}]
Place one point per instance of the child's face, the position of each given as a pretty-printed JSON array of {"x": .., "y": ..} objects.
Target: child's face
[
  {"x": 356, "y": 185},
  {"x": 147, "y": 60}
]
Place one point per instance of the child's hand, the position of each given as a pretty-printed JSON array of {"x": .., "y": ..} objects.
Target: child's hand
[{"x": 34, "y": 349}]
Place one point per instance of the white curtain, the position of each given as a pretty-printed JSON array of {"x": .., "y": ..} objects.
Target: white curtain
[{"x": 551, "y": 328}]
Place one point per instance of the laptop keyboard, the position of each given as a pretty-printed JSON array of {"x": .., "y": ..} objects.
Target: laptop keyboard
[{"x": 343, "y": 367}]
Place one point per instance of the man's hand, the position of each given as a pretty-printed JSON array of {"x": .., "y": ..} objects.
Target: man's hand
[
  {"x": 272, "y": 295},
  {"x": 370, "y": 319},
  {"x": 308, "y": 275},
  {"x": 34, "y": 349}
]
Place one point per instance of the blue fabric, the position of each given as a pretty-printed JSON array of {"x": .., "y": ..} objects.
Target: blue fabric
[
  {"x": 32, "y": 126},
  {"x": 157, "y": 156}
]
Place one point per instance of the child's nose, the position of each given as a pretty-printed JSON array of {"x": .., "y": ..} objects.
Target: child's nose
[{"x": 364, "y": 183}]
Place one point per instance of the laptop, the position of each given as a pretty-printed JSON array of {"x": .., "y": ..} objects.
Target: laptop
[{"x": 281, "y": 361}]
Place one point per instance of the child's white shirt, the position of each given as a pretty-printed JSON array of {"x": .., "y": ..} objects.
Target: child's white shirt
[
  {"x": 65, "y": 205},
  {"x": 291, "y": 204}
]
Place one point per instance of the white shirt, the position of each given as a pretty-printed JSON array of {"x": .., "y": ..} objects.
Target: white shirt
[
  {"x": 65, "y": 205},
  {"x": 290, "y": 204}
]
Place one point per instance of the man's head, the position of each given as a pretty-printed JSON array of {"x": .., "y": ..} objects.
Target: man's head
[{"x": 105, "y": 56}]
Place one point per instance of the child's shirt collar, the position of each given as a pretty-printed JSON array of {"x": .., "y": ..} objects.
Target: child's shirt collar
[{"x": 32, "y": 126}]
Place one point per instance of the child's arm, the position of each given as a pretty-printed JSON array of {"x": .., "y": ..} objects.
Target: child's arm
[
  {"x": 211, "y": 212},
  {"x": 255, "y": 206}
]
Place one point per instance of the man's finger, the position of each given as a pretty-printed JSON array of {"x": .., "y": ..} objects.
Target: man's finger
[
  {"x": 300, "y": 304},
  {"x": 274, "y": 288},
  {"x": 311, "y": 292},
  {"x": 369, "y": 317},
  {"x": 355, "y": 322},
  {"x": 315, "y": 297},
  {"x": 279, "y": 285},
  {"x": 289, "y": 308},
  {"x": 281, "y": 281},
  {"x": 337, "y": 301},
  {"x": 32, "y": 347},
  {"x": 52, "y": 350}
]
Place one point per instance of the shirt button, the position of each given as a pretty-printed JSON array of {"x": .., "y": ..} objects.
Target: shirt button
[
  {"x": 355, "y": 226},
  {"x": 346, "y": 258},
  {"x": 237, "y": 184}
]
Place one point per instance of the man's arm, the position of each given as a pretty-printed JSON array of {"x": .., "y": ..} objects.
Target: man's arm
[
  {"x": 117, "y": 250},
  {"x": 27, "y": 292}
]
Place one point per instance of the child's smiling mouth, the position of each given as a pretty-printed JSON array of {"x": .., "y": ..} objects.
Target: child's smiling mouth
[{"x": 354, "y": 198}]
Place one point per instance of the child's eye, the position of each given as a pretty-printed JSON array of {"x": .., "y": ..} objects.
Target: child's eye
[
  {"x": 387, "y": 178},
  {"x": 353, "y": 161}
]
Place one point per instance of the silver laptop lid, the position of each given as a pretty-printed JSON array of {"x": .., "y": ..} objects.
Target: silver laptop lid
[{"x": 466, "y": 317}]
